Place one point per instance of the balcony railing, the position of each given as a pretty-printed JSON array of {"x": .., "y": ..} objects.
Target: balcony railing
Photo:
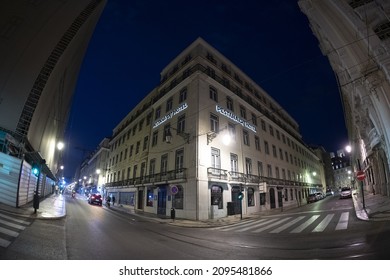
[
  {"x": 177, "y": 174},
  {"x": 232, "y": 176}
]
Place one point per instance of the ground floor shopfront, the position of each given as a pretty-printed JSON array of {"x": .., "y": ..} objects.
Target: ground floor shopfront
[{"x": 210, "y": 199}]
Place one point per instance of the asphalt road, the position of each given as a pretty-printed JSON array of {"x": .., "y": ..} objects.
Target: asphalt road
[{"x": 327, "y": 229}]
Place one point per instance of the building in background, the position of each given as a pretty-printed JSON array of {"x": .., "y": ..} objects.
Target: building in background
[
  {"x": 209, "y": 142},
  {"x": 42, "y": 45},
  {"x": 93, "y": 169},
  {"x": 342, "y": 171},
  {"x": 355, "y": 35}
]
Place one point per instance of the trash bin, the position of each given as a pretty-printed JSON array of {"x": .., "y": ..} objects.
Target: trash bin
[
  {"x": 230, "y": 208},
  {"x": 173, "y": 213}
]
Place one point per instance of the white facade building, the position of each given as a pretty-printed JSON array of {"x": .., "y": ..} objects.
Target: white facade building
[
  {"x": 355, "y": 35},
  {"x": 206, "y": 134}
]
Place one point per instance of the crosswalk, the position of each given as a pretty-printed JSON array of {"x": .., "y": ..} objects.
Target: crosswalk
[
  {"x": 10, "y": 227},
  {"x": 292, "y": 224}
]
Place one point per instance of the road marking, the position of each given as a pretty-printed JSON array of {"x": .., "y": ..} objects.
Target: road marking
[
  {"x": 324, "y": 223},
  {"x": 15, "y": 220},
  {"x": 253, "y": 225},
  {"x": 9, "y": 232},
  {"x": 289, "y": 224},
  {"x": 271, "y": 225},
  {"x": 305, "y": 224},
  {"x": 343, "y": 221},
  {"x": 4, "y": 243},
  {"x": 4, "y": 222}
]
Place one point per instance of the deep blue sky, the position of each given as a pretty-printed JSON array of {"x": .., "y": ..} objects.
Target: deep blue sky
[{"x": 270, "y": 41}]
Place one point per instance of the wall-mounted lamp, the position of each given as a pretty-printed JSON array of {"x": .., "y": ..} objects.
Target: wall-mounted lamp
[{"x": 184, "y": 135}]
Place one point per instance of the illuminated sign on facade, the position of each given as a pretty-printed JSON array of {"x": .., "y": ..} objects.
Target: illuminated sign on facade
[
  {"x": 235, "y": 118},
  {"x": 169, "y": 116}
]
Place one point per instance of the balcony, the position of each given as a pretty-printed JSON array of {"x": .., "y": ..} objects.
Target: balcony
[{"x": 159, "y": 178}]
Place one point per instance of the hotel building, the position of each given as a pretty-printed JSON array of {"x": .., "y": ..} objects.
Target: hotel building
[{"x": 205, "y": 136}]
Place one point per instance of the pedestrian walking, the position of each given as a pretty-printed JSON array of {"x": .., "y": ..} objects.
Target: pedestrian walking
[{"x": 113, "y": 200}]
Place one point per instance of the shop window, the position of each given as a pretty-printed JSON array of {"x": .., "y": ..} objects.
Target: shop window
[
  {"x": 262, "y": 198},
  {"x": 251, "y": 197},
  {"x": 216, "y": 196},
  {"x": 177, "y": 201},
  {"x": 149, "y": 197}
]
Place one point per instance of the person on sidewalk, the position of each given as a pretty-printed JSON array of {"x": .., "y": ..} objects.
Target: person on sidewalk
[{"x": 113, "y": 200}]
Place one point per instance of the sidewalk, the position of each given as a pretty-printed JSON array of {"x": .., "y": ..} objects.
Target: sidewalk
[{"x": 377, "y": 208}]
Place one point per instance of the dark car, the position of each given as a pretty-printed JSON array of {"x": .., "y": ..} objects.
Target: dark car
[
  {"x": 95, "y": 198},
  {"x": 312, "y": 198}
]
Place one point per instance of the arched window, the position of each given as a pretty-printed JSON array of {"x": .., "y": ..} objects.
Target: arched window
[
  {"x": 177, "y": 201},
  {"x": 216, "y": 196}
]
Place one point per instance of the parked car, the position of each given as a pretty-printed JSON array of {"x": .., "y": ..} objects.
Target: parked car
[
  {"x": 312, "y": 198},
  {"x": 320, "y": 195},
  {"x": 95, "y": 198},
  {"x": 329, "y": 192},
  {"x": 346, "y": 192}
]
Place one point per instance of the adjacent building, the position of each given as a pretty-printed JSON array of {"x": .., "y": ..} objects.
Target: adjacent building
[
  {"x": 42, "y": 45},
  {"x": 209, "y": 142},
  {"x": 355, "y": 36}
]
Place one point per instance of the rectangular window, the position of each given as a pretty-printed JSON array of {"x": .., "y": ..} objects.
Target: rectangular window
[
  {"x": 131, "y": 150},
  {"x": 181, "y": 124},
  {"x": 215, "y": 158},
  {"x": 266, "y": 147},
  {"x": 248, "y": 166},
  {"x": 257, "y": 143},
  {"x": 179, "y": 160},
  {"x": 157, "y": 113},
  {"x": 233, "y": 162},
  {"x": 254, "y": 119},
  {"x": 135, "y": 171},
  {"x": 128, "y": 172},
  {"x": 183, "y": 95},
  {"x": 146, "y": 140},
  {"x": 213, "y": 94},
  {"x": 137, "y": 147},
  {"x": 260, "y": 171},
  {"x": 155, "y": 138},
  {"x": 243, "y": 112},
  {"x": 280, "y": 153},
  {"x": 167, "y": 129},
  {"x": 169, "y": 105},
  {"x": 152, "y": 166},
  {"x": 229, "y": 104},
  {"x": 262, "y": 198},
  {"x": 274, "y": 151},
  {"x": 251, "y": 197},
  {"x": 216, "y": 196},
  {"x": 214, "y": 123},
  {"x": 263, "y": 126},
  {"x": 246, "y": 137},
  {"x": 178, "y": 198},
  {"x": 271, "y": 130},
  {"x": 143, "y": 169},
  {"x": 269, "y": 170},
  {"x": 164, "y": 164}
]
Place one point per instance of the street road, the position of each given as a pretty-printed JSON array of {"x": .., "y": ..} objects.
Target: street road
[{"x": 327, "y": 229}]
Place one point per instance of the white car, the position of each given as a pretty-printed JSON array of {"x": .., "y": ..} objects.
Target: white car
[{"x": 346, "y": 192}]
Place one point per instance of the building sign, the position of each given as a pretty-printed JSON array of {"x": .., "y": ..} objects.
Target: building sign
[
  {"x": 235, "y": 118},
  {"x": 169, "y": 116}
]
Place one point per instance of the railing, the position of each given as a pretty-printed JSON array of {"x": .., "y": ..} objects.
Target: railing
[{"x": 177, "y": 174}]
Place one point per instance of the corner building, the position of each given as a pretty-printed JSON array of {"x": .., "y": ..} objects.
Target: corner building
[{"x": 206, "y": 134}]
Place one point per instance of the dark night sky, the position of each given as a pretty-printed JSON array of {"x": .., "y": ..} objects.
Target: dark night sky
[{"x": 270, "y": 41}]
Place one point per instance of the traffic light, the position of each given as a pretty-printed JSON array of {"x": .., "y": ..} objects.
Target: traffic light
[
  {"x": 240, "y": 195},
  {"x": 35, "y": 170}
]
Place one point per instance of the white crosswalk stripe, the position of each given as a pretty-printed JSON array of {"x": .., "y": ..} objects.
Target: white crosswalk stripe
[
  {"x": 292, "y": 224},
  {"x": 10, "y": 227}
]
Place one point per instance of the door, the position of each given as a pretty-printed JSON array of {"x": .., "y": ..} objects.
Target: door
[
  {"x": 272, "y": 198},
  {"x": 235, "y": 200},
  {"x": 162, "y": 201},
  {"x": 140, "y": 199}
]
